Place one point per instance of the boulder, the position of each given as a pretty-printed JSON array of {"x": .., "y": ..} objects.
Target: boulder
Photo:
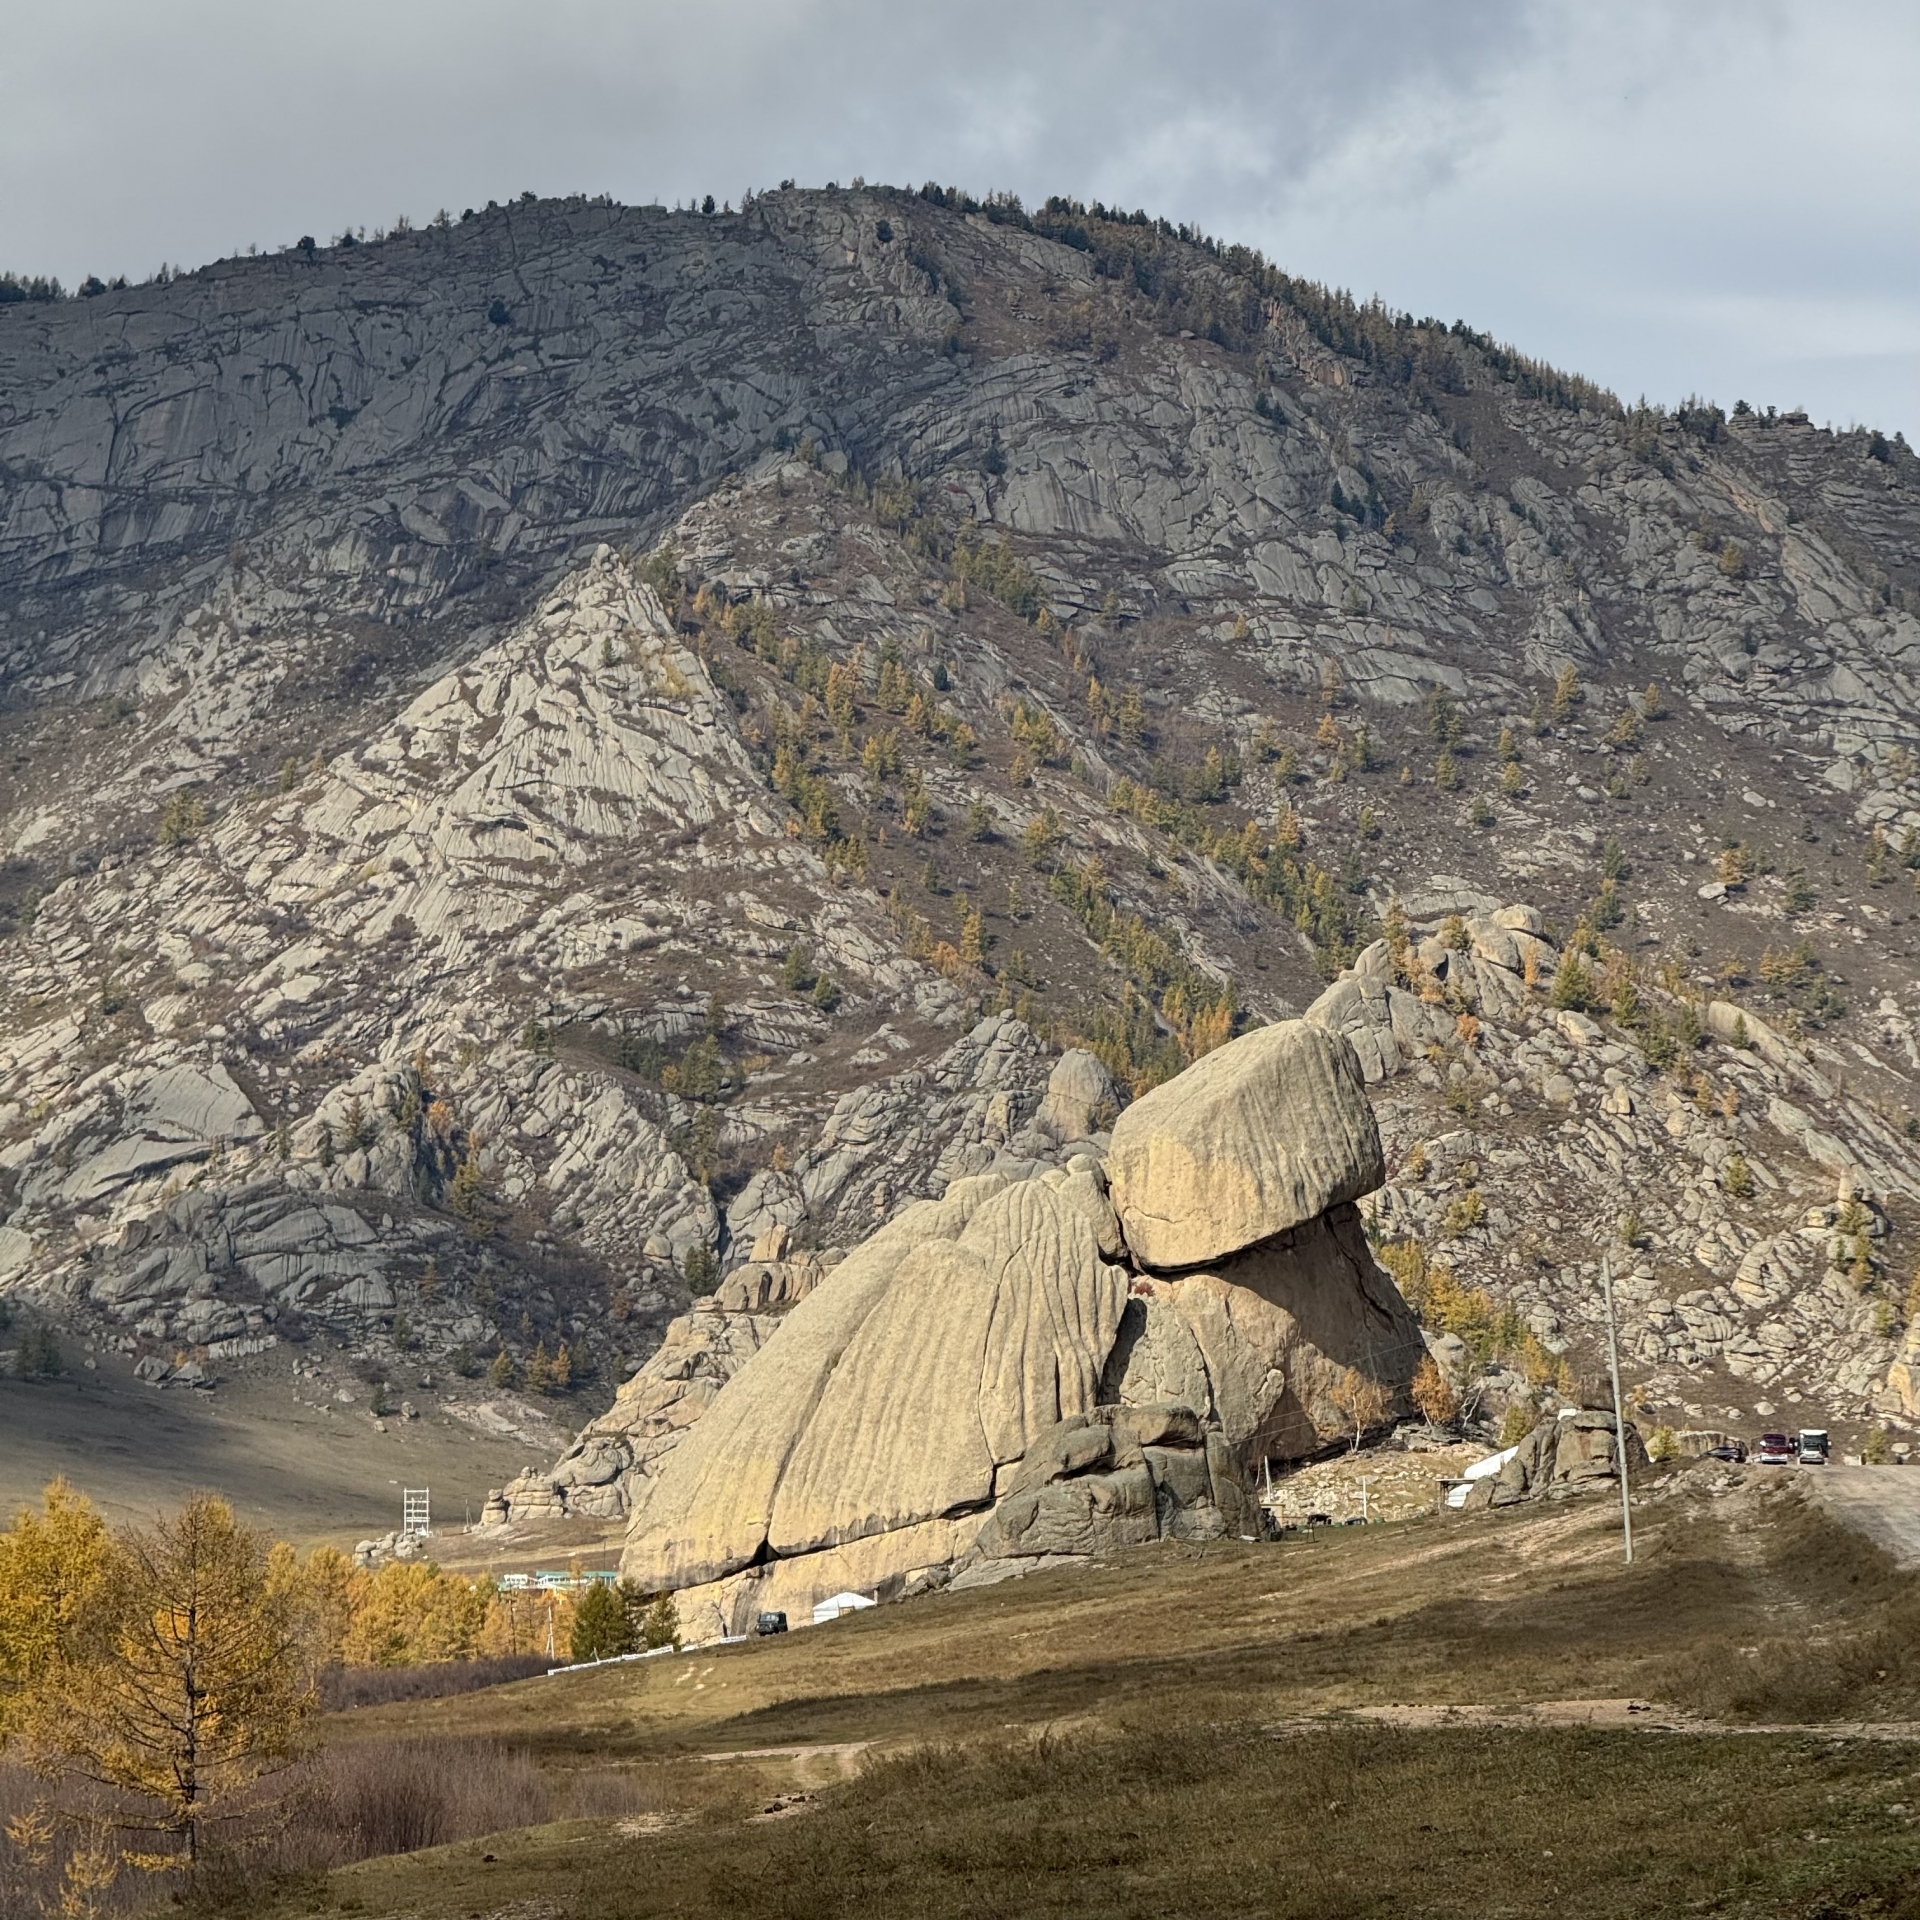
[
  {"x": 1261, "y": 1344},
  {"x": 1081, "y": 1098},
  {"x": 1564, "y": 1454},
  {"x": 1121, "y": 1476},
  {"x": 1257, "y": 1137},
  {"x": 923, "y": 1363}
]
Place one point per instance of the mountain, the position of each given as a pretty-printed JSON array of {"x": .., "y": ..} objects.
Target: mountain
[{"x": 546, "y": 752}]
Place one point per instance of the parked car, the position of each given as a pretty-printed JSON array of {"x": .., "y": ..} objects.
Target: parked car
[
  {"x": 1777, "y": 1450},
  {"x": 1733, "y": 1450},
  {"x": 770, "y": 1623},
  {"x": 1814, "y": 1447}
]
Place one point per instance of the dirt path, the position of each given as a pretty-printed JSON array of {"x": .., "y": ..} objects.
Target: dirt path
[
  {"x": 1881, "y": 1502},
  {"x": 1645, "y": 1716}
]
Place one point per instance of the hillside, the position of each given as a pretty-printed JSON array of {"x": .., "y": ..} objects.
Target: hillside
[{"x": 542, "y": 753}]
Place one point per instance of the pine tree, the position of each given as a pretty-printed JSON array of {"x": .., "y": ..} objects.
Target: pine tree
[
  {"x": 660, "y": 1627},
  {"x": 601, "y": 1627}
]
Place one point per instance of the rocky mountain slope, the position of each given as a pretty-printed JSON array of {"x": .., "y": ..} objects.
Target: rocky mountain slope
[{"x": 547, "y": 756}]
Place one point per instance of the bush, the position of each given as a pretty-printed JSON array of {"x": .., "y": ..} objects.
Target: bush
[{"x": 344, "y": 1688}]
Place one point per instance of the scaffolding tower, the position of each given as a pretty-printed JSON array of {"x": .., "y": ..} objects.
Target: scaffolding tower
[{"x": 415, "y": 1512}]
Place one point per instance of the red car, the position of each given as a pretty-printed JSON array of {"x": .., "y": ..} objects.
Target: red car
[{"x": 1777, "y": 1450}]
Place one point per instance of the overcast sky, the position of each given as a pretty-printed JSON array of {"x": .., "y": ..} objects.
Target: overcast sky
[{"x": 1706, "y": 197}]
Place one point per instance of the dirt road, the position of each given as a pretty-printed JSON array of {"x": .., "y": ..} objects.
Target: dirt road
[{"x": 1881, "y": 1502}]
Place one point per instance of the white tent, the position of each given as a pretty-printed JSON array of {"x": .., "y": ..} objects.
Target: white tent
[
  {"x": 837, "y": 1604},
  {"x": 1457, "y": 1494}
]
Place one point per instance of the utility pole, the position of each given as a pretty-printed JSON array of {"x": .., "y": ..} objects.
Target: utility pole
[
  {"x": 1619, "y": 1416},
  {"x": 1364, "y": 1515}
]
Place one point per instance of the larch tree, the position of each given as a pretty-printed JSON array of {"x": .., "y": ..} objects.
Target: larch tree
[
  {"x": 52, "y": 1567},
  {"x": 190, "y": 1680}
]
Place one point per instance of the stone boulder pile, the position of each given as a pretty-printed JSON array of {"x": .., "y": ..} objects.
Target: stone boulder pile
[
  {"x": 1052, "y": 1360},
  {"x": 1565, "y": 1454}
]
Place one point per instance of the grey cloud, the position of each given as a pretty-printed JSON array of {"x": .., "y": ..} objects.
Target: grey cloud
[{"x": 1585, "y": 181}]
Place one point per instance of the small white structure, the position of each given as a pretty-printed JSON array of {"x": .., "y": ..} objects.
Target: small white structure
[
  {"x": 415, "y": 1513},
  {"x": 1480, "y": 1470},
  {"x": 836, "y": 1604}
]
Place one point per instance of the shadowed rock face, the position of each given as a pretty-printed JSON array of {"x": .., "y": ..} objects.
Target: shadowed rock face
[
  {"x": 978, "y": 1380},
  {"x": 1260, "y": 1343}
]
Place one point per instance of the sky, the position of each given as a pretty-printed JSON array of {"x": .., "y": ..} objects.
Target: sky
[{"x": 1720, "y": 197}]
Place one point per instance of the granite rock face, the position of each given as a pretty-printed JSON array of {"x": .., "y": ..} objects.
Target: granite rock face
[
  {"x": 982, "y": 1382},
  {"x": 1255, "y": 1138}
]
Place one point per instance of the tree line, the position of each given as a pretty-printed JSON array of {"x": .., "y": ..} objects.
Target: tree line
[{"x": 154, "y": 1676}]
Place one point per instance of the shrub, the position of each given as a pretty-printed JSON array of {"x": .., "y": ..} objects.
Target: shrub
[{"x": 182, "y": 820}]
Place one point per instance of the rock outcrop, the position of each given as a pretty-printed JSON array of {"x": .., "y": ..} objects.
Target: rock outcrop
[
  {"x": 1119, "y": 1476},
  {"x": 1569, "y": 1454},
  {"x": 1250, "y": 1141},
  {"x": 991, "y": 1375}
]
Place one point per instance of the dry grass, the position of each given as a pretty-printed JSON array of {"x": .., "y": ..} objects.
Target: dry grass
[
  {"x": 1144, "y": 1823},
  {"x": 1125, "y": 1740}
]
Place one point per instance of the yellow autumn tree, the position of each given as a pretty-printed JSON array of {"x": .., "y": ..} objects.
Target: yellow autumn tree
[
  {"x": 1433, "y": 1394},
  {"x": 52, "y": 1564},
  {"x": 188, "y": 1682},
  {"x": 320, "y": 1594},
  {"x": 1363, "y": 1401},
  {"x": 409, "y": 1612}
]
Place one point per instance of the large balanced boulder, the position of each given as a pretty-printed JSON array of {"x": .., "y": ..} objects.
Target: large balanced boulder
[
  {"x": 1259, "y": 1136},
  {"x": 1021, "y": 1372}
]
